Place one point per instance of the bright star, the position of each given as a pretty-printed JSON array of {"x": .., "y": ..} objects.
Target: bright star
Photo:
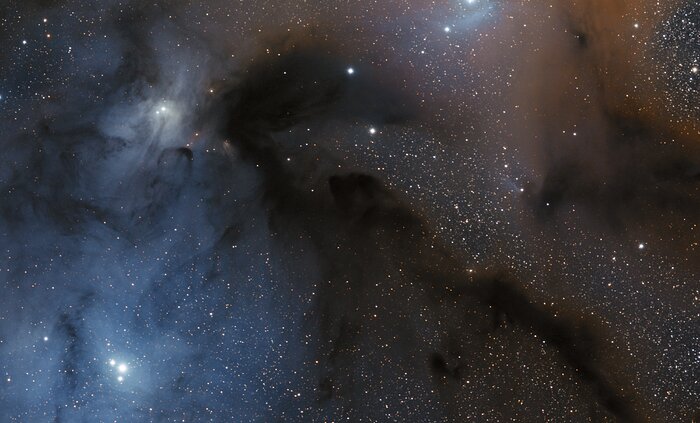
[
  {"x": 448, "y": 29},
  {"x": 112, "y": 362},
  {"x": 351, "y": 71},
  {"x": 641, "y": 246},
  {"x": 122, "y": 368},
  {"x": 120, "y": 378},
  {"x": 372, "y": 131}
]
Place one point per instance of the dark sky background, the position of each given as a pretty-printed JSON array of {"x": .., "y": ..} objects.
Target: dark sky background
[{"x": 322, "y": 210}]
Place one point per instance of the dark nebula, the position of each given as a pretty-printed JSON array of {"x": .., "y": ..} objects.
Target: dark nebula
[{"x": 324, "y": 211}]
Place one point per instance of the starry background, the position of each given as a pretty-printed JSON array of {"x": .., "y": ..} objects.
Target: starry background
[{"x": 448, "y": 210}]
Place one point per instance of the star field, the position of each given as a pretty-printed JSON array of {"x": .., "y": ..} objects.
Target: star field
[{"x": 458, "y": 210}]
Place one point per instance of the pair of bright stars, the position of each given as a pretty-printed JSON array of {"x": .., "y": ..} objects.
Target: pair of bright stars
[{"x": 351, "y": 71}]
